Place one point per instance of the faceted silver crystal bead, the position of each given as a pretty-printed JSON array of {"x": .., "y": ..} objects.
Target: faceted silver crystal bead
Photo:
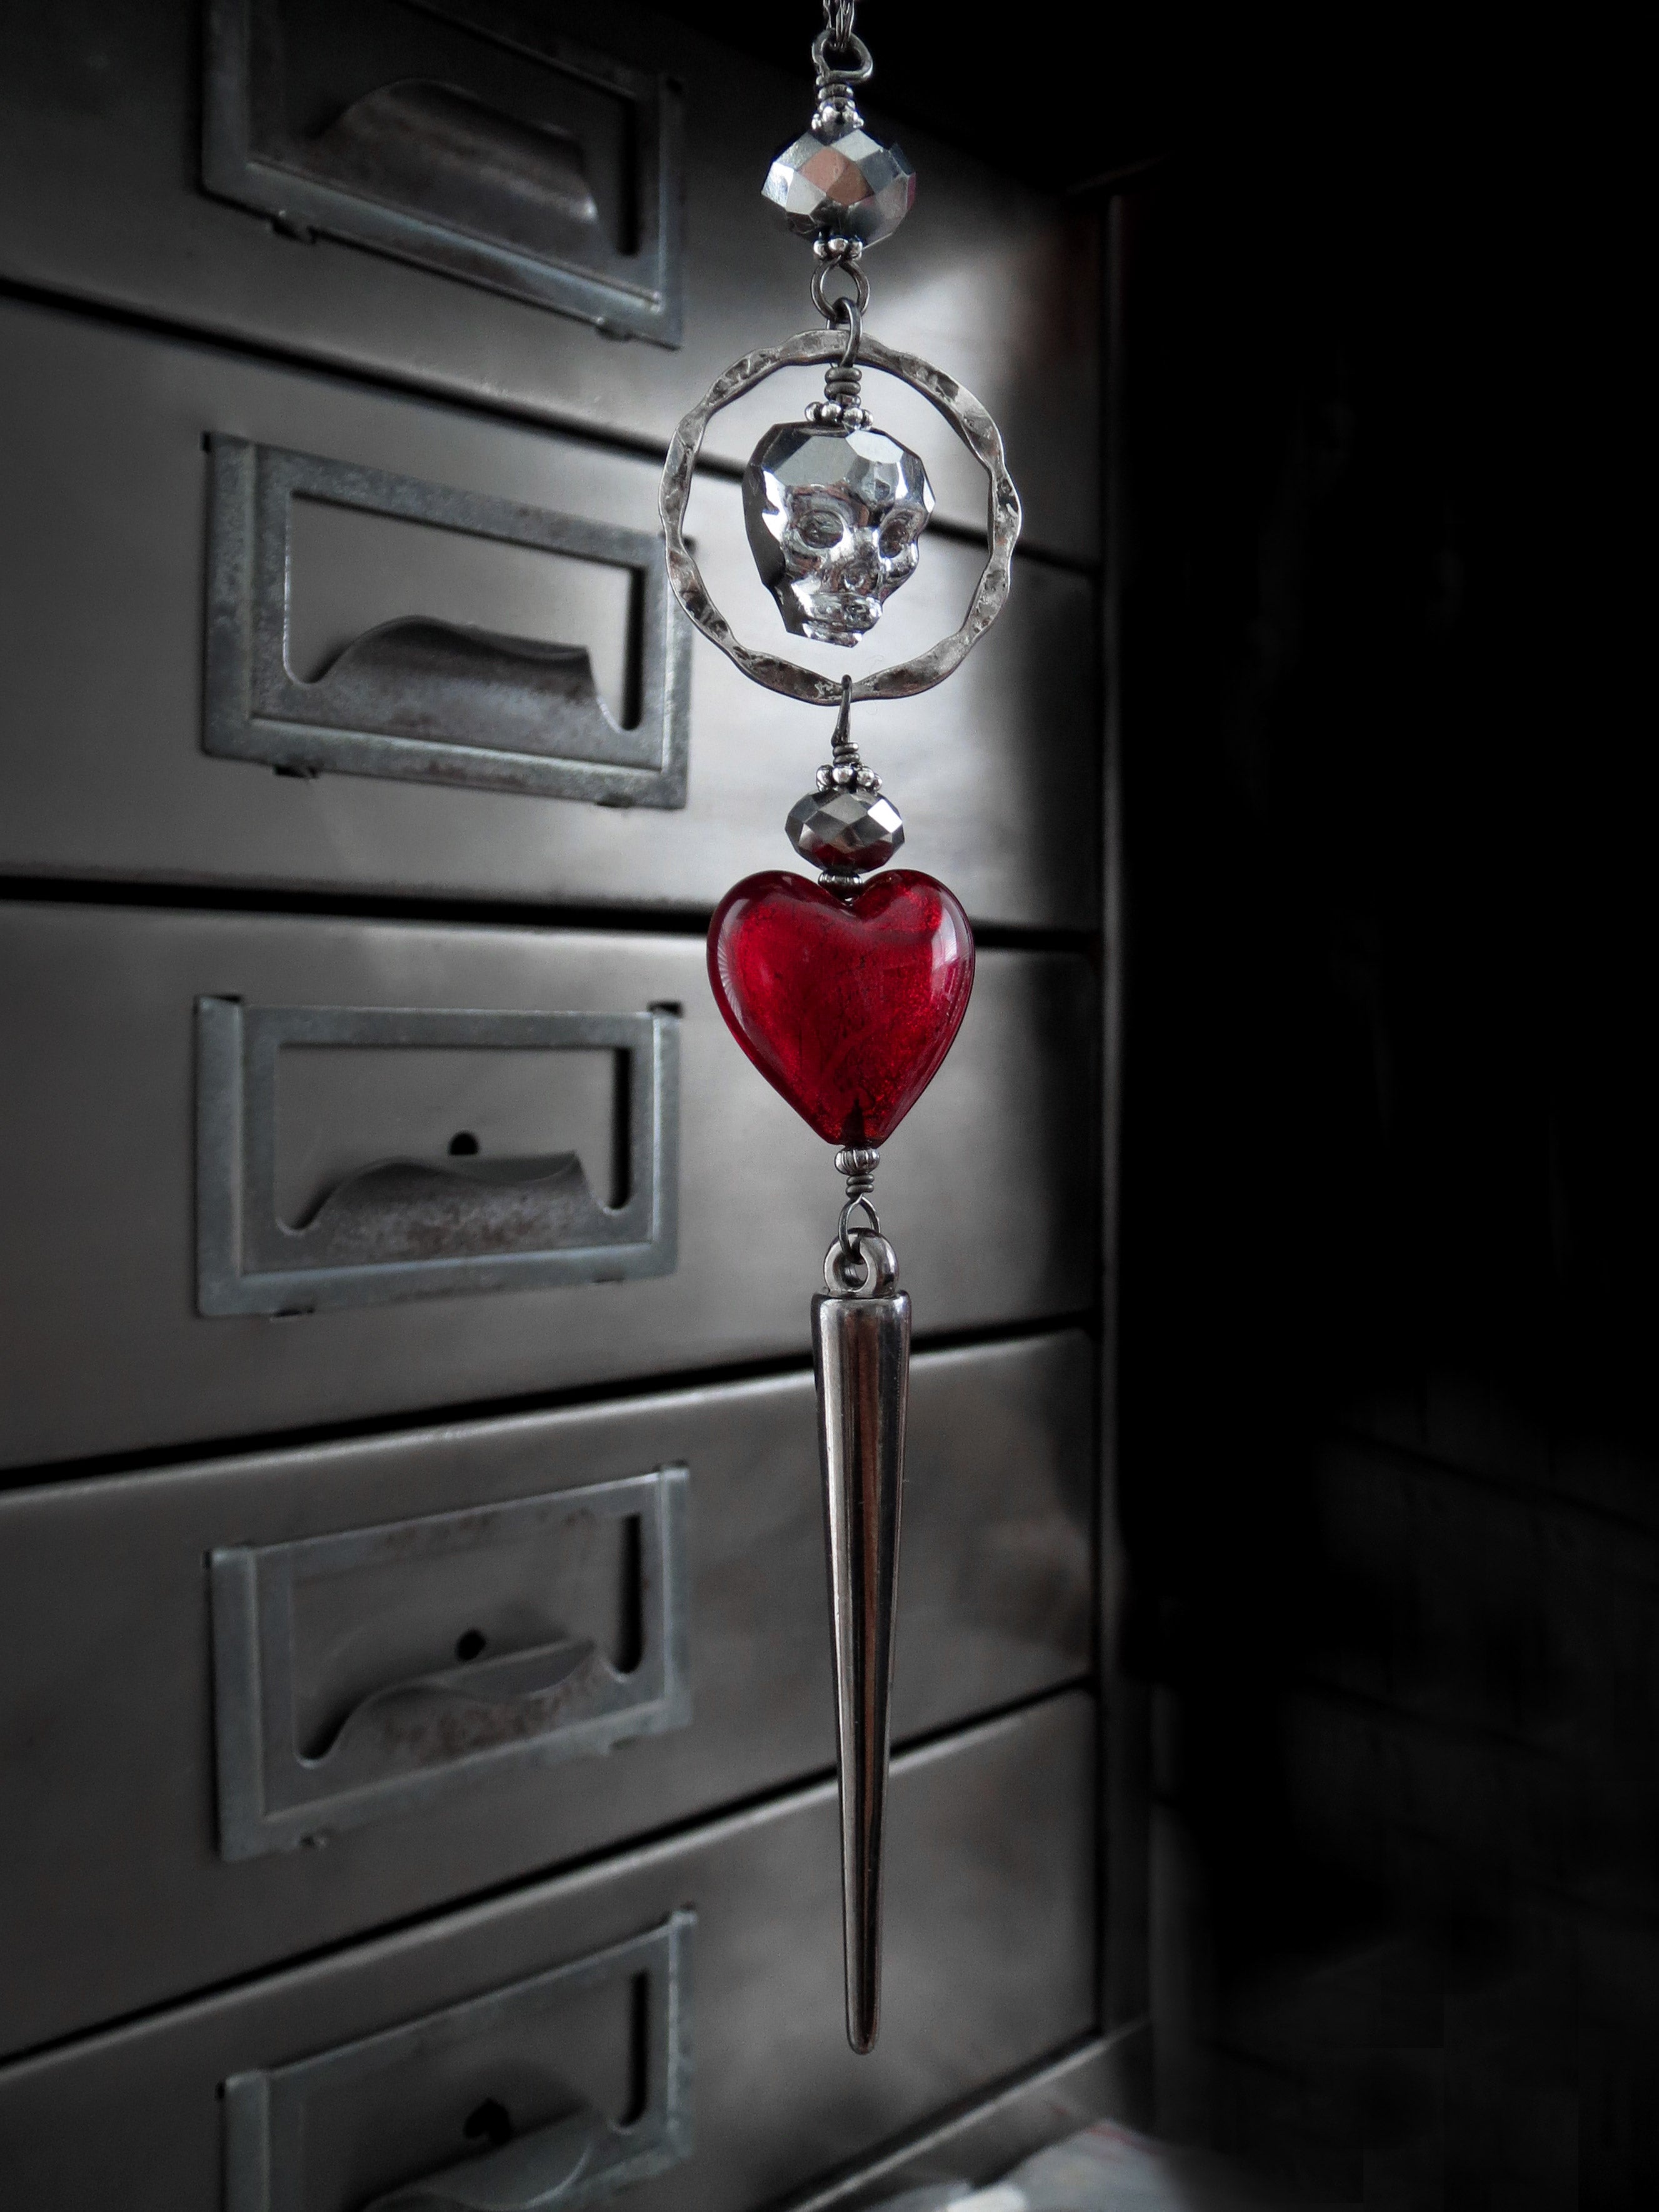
[
  {"x": 833, "y": 518},
  {"x": 845, "y": 830},
  {"x": 845, "y": 181}
]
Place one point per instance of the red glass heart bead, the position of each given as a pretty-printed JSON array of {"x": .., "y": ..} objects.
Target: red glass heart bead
[{"x": 846, "y": 1005}]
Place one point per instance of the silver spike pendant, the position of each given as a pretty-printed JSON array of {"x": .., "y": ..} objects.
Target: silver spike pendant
[
  {"x": 846, "y": 992},
  {"x": 861, "y": 1353}
]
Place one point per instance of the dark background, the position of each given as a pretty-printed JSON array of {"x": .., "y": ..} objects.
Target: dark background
[{"x": 1391, "y": 1459}]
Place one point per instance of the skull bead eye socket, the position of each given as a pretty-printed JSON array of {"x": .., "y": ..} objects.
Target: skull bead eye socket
[
  {"x": 820, "y": 527},
  {"x": 900, "y": 532}
]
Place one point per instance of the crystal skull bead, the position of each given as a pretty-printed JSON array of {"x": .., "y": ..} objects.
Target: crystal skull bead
[
  {"x": 841, "y": 183},
  {"x": 833, "y": 518}
]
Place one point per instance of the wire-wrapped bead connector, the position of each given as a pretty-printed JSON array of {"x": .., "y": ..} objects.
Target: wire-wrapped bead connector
[
  {"x": 846, "y": 825},
  {"x": 858, "y": 1162},
  {"x": 841, "y": 407}
]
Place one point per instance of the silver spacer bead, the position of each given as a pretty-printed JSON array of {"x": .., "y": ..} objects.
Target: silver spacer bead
[
  {"x": 835, "y": 775},
  {"x": 833, "y": 414},
  {"x": 837, "y": 112}
]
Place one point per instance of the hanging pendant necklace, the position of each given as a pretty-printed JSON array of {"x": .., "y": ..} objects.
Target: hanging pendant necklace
[{"x": 846, "y": 992}]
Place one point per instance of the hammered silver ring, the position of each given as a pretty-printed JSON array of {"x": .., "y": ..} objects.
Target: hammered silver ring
[{"x": 972, "y": 423}]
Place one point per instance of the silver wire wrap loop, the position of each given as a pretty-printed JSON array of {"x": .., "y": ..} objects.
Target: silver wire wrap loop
[
  {"x": 838, "y": 36},
  {"x": 841, "y": 406},
  {"x": 875, "y": 1261},
  {"x": 972, "y": 423},
  {"x": 843, "y": 746},
  {"x": 837, "y": 110},
  {"x": 847, "y": 1236}
]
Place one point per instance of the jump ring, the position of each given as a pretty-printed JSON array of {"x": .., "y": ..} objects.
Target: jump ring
[
  {"x": 876, "y": 1261},
  {"x": 858, "y": 297}
]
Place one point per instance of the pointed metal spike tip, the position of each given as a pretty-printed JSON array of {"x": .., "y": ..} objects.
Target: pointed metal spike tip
[{"x": 861, "y": 1352}]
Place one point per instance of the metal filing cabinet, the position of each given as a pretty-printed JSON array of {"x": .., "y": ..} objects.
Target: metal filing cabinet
[
  {"x": 749, "y": 2018},
  {"x": 682, "y": 1530},
  {"x": 415, "y": 1725}
]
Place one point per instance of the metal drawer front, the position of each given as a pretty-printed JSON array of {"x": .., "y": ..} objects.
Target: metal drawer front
[
  {"x": 279, "y": 2156},
  {"x": 389, "y": 1229},
  {"x": 99, "y": 1118},
  {"x": 551, "y": 172},
  {"x": 419, "y": 697},
  {"x": 313, "y": 1737},
  {"x": 104, "y": 202},
  {"x": 451, "y": 1547},
  {"x": 105, "y": 771},
  {"x": 990, "y": 1968}
]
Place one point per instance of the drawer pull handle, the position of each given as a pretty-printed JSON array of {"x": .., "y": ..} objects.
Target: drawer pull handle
[
  {"x": 421, "y": 698},
  {"x": 535, "y": 166},
  {"x": 433, "y": 147},
  {"x": 415, "y": 1210},
  {"x": 536, "y": 2174},
  {"x": 414, "y": 1741},
  {"x": 272, "y": 2161},
  {"x": 439, "y": 1717},
  {"x": 402, "y": 1229},
  {"x": 423, "y": 680}
]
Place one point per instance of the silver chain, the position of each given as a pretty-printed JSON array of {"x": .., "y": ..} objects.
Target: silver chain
[{"x": 838, "y": 22}]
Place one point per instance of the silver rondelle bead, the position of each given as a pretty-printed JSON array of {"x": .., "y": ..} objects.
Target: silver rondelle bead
[
  {"x": 836, "y": 181},
  {"x": 845, "y": 830},
  {"x": 857, "y": 1159}
]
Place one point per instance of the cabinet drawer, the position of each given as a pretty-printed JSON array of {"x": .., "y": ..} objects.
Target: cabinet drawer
[
  {"x": 102, "y": 164},
  {"x": 390, "y": 601},
  {"x": 140, "y": 1872},
  {"x": 362, "y": 2073},
  {"x": 175, "y": 1190}
]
